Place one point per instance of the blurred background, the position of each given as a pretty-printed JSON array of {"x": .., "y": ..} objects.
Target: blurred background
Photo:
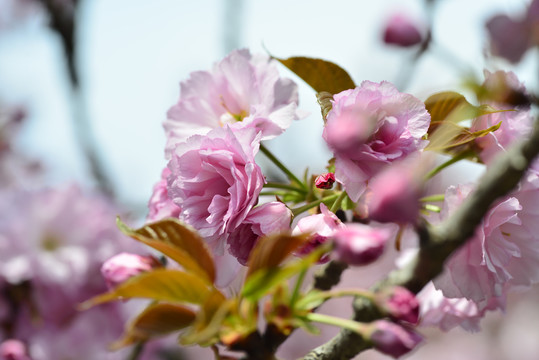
[{"x": 98, "y": 110}]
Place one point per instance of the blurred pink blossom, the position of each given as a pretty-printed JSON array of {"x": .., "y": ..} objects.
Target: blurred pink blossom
[
  {"x": 503, "y": 254},
  {"x": 394, "y": 194},
  {"x": 216, "y": 182},
  {"x": 265, "y": 219},
  {"x": 402, "y": 31},
  {"x": 241, "y": 90},
  {"x": 321, "y": 227},
  {"x": 399, "y": 303},
  {"x": 13, "y": 350},
  {"x": 399, "y": 122},
  {"x": 510, "y": 38},
  {"x": 160, "y": 205},
  {"x": 447, "y": 313},
  {"x": 358, "y": 244},
  {"x": 123, "y": 266},
  {"x": 70, "y": 236}
]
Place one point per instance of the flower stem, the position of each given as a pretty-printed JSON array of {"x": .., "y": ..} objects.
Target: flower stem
[
  {"x": 284, "y": 186},
  {"x": 336, "y": 205},
  {"x": 433, "y": 198},
  {"x": 461, "y": 156},
  {"x": 433, "y": 208},
  {"x": 315, "y": 203},
  {"x": 335, "y": 321},
  {"x": 299, "y": 281},
  {"x": 281, "y": 166}
]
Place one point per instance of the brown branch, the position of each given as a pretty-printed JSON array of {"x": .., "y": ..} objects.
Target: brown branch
[
  {"x": 437, "y": 243},
  {"x": 63, "y": 22}
]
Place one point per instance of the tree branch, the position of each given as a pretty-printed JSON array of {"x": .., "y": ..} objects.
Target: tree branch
[
  {"x": 63, "y": 22},
  {"x": 438, "y": 243}
]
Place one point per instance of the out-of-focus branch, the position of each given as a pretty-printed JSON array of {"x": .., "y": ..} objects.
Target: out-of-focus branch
[
  {"x": 63, "y": 22},
  {"x": 439, "y": 242},
  {"x": 329, "y": 275}
]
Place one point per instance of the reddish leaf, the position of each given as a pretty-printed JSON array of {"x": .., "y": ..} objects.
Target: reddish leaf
[
  {"x": 320, "y": 74},
  {"x": 155, "y": 321},
  {"x": 160, "y": 285},
  {"x": 178, "y": 241},
  {"x": 270, "y": 251}
]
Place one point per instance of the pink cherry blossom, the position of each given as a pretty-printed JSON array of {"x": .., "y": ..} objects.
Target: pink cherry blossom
[
  {"x": 358, "y": 244},
  {"x": 216, "y": 182},
  {"x": 398, "y": 123},
  {"x": 392, "y": 339},
  {"x": 265, "y": 219},
  {"x": 399, "y": 303},
  {"x": 13, "y": 350},
  {"x": 70, "y": 236},
  {"x": 241, "y": 90},
  {"x": 447, "y": 313},
  {"x": 510, "y": 38},
  {"x": 160, "y": 205},
  {"x": 402, "y": 31},
  {"x": 394, "y": 194},
  {"x": 321, "y": 227},
  {"x": 515, "y": 124},
  {"x": 504, "y": 252}
]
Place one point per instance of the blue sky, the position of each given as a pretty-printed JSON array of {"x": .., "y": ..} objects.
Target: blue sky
[{"x": 134, "y": 53}]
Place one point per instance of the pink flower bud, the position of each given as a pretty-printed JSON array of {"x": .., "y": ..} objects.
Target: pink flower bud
[
  {"x": 392, "y": 339},
  {"x": 348, "y": 127},
  {"x": 13, "y": 350},
  {"x": 325, "y": 181},
  {"x": 402, "y": 31},
  {"x": 395, "y": 194},
  {"x": 399, "y": 303},
  {"x": 123, "y": 266},
  {"x": 359, "y": 244}
]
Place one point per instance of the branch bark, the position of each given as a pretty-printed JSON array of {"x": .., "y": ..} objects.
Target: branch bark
[
  {"x": 439, "y": 242},
  {"x": 63, "y": 22}
]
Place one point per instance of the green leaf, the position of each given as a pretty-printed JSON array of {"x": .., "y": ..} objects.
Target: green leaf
[
  {"x": 457, "y": 137},
  {"x": 179, "y": 242},
  {"x": 319, "y": 74},
  {"x": 209, "y": 321},
  {"x": 264, "y": 279},
  {"x": 271, "y": 250},
  {"x": 160, "y": 285},
  {"x": 155, "y": 321},
  {"x": 448, "y": 108},
  {"x": 441, "y": 105}
]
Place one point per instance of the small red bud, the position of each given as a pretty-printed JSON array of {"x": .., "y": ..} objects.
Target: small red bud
[{"x": 325, "y": 181}]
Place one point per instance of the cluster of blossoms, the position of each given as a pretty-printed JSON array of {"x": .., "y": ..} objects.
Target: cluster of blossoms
[{"x": 378, "y": 137}]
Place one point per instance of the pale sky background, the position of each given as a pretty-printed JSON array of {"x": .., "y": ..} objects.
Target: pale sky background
[{"x": 134, "y": 53}]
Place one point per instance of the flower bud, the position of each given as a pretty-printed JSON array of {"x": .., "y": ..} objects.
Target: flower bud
[
  {"x": 348, "y": 128},
  {"x": 402, "y": 31},
  {"x": 395, "y": 194},
  {"x": 392, "y": 339},
  {"x": 359, "y": 244},
  {"x": 399, "y": 303},
  {"x": 13, "y": 350},
  {"x": 325, "y": 181},
  {"x": 123, "y": 266}
]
